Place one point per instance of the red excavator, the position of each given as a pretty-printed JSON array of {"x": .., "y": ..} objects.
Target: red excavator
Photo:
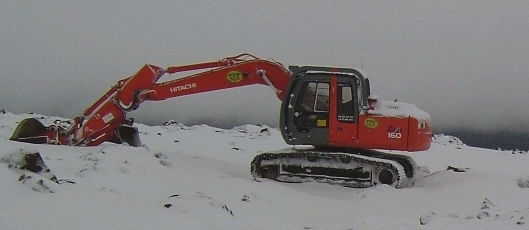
[{"x": 329, "y": 109}]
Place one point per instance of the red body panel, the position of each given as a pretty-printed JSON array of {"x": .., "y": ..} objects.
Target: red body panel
[
  {"x": 380, "y": 132},
  {"x": 101, "y": 125},
  {"x": 373, "y": 131},
  {"x": 420, "y": 136},
  {"x": 341, "y": 134},
  {"x": 383, "y": 132}
]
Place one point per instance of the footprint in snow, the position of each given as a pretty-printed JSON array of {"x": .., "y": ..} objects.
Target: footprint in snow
[
  {"x": 186, "y": 203},
  {"x": 162, "y": 159},
  {"x": 523, "y": 182}
]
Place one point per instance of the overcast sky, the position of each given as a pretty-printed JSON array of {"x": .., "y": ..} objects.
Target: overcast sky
[{"x": 464, "y": 62}]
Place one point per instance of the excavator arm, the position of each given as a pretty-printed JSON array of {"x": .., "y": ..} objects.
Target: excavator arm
[
  {"x": 236, "y": 73},
  {"x": 105, "y": 119}
]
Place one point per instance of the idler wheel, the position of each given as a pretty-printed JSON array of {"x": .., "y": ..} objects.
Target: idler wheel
[
  {"x": 386, "y": 175},
  {"x": 270, "y": 172}
]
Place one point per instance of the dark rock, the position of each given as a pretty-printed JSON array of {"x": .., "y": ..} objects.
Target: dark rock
[
  {"x": 62, "y": 181},
  {"x": 425, "y": 219},
  {"x": 29, "y": 161},
  {"x": 245, "y": 198},
  {"x": 486, "y": 204},
  {"x": 228, "y": 210},
  {"x": 170, "y": 122},
  {"x": 450, "y": 168},
  {"x": 32, "y": 162}
]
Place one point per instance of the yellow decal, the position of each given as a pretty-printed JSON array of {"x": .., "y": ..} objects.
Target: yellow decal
[
  {"x": 234, "y": 76},
  {"x": 370, "y": 123},
  {"x": 321, "y": 123}
]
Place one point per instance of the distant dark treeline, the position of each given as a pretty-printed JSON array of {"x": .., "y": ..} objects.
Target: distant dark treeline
[{"x": 501, "y": 139}]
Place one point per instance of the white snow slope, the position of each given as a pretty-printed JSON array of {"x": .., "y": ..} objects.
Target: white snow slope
[{"x": 198, "y": 178}]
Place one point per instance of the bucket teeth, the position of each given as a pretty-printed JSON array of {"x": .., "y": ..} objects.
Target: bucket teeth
[{"x": 30, "y": 130}]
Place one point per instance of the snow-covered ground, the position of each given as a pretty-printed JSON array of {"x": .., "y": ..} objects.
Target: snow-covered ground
[{"x": 198, "y": 178}]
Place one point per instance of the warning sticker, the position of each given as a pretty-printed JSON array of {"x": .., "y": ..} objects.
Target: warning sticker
[
  {"x": 107, "y": 118},
  {"x": 234, "y": 76},
  {"x": 370, "y": 123},
  {"x": 321, "y": 123}
]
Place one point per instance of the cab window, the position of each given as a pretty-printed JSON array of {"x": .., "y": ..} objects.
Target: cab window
[
  {"x": 346, "y": 108},
  {"x": 312, "y": 109}
]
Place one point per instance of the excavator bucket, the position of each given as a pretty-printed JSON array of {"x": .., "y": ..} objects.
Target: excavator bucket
[
  {"x": 30, "y": 130},
  {"x": 128, "y": 134}
]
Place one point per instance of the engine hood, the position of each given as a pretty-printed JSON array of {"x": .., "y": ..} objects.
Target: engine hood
[{"x": 397, "y": 109}]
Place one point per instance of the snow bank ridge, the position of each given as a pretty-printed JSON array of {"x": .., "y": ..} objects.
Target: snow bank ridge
[{"x": 447, "y": 140}]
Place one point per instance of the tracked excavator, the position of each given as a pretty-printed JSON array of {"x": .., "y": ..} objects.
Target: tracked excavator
[{"x": 328, "y": 115}]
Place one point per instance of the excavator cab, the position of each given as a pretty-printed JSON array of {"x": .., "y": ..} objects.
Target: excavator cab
[
  {"x": 332, "y": 107},
  {"x": 319, "y": 98}
]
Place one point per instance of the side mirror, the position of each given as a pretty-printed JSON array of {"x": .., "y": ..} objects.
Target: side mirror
[{"x": 368, "y": 87}]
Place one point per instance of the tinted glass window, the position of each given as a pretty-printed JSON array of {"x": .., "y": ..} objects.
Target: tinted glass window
[{"x": 345, "y": 103}]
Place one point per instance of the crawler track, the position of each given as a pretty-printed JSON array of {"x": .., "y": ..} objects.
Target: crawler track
[{"x": 354, "y": 168}]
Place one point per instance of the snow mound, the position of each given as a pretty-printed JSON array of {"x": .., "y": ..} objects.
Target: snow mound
[
  {"x": 31, "y": 170},
  {"x": 523, "y": 182},
  {"x": 253, "y": 130},
  {"x": 198, "y": 177},
  {"x": 447, "y": 140},
  {"x": 393, "y": 108}
]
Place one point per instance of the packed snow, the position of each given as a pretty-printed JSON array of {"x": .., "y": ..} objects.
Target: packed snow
[
  {"x": 396, "y": 109},
  {"x": 198, "y": 177}
]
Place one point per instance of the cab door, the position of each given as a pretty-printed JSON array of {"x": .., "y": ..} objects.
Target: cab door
[
  {"x": 306, "y": 111},
  {"x": 344, "y": 110}
]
